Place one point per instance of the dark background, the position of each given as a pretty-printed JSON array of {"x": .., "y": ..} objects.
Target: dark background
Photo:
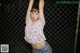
[{"x": 60, "y": 28}]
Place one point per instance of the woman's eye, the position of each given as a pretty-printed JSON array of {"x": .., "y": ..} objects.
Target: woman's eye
[{"x": 32, "y": 13}]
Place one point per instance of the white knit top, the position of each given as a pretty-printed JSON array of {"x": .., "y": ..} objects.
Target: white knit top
[{"x": 34, "y": 33}]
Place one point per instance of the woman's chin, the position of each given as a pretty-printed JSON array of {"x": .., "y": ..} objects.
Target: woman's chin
[{"x": 34, "y": 20}]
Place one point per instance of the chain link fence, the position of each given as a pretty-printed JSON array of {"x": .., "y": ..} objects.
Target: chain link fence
[{"x": 60, "y": 28}]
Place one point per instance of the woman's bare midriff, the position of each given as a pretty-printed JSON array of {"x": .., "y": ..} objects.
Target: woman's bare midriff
[{"x": 38, "y": 46}]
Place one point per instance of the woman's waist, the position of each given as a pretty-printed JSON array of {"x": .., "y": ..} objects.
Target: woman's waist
[{"x": 39, "y": 45}]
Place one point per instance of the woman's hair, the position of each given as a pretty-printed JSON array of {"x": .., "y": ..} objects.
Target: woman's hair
[{"x": 34, "y": 9}]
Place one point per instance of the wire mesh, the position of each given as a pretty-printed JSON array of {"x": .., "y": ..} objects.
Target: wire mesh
[{"x": 60, "y": 28}]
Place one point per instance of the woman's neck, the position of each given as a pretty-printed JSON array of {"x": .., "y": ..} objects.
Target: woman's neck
[{"x": 34, "y": 22}]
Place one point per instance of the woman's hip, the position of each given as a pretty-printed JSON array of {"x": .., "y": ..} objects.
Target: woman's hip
[{"x": 45, "y": 49}]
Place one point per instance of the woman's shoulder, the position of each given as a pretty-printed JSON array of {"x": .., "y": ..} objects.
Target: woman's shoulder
[{"x": 42, "y": 22}]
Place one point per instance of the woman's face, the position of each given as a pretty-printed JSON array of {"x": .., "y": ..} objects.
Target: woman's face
[{"x": 34, "y": 16}]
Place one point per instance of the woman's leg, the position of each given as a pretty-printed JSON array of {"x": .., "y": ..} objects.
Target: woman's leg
[
  {"x": 47, "y": 48},
  {"x": 34, "y": 51}
]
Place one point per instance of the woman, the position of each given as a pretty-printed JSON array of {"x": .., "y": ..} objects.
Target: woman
[{"x": 35, "y": 22}]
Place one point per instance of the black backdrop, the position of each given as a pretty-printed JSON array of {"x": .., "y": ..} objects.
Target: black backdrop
[{"x": 60, "y": 28}]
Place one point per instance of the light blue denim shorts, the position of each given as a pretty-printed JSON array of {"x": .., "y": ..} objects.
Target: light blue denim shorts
[{"x": 45, "y": 49}]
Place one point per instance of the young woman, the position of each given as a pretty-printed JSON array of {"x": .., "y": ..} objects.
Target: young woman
[{"x": 35, "y": 22}]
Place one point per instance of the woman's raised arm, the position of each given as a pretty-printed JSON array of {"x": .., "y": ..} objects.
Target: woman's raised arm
[
  {"x": 41, "y": 9},
  {"x": 29, "y": 8}
]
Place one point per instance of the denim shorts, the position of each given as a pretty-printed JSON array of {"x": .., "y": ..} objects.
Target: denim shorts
[{"x": 45, "y": 49}]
